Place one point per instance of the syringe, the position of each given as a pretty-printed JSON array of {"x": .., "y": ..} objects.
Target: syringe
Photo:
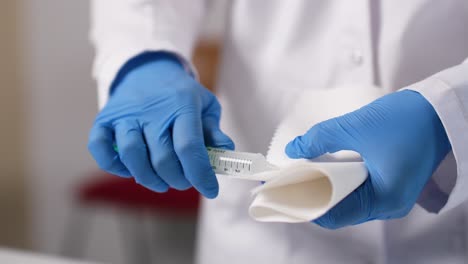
[{"x": 237, "y": 163}]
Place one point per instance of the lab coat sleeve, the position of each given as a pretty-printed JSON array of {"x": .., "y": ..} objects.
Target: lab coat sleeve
[
  {"x": 123, "y": 29},
  {"x": 447, "y": 91}
]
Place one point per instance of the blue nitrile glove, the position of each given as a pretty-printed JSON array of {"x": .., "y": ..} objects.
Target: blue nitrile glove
[
  {"x": 401, "y": 140},
  {"x": 160, "y": 119}
]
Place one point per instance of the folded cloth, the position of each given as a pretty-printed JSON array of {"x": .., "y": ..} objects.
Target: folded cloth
[{"x": 304, "y": 190}]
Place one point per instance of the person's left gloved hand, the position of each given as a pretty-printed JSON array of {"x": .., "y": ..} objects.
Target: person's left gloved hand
[{"x": 402, "y": 142}]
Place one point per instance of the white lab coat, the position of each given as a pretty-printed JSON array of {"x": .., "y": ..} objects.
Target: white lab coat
[{"x": 275, "y": 49}]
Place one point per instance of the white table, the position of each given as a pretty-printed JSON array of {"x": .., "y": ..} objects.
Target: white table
[{"x": 9, "y": 256}]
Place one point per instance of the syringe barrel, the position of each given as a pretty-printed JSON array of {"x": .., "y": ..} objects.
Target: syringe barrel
[{"x": 235, "y": 163}]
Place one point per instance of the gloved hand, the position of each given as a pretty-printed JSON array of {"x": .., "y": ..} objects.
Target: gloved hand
[
  {"x": 401, "y": 140},
  {"x": 160, "y": 118}
]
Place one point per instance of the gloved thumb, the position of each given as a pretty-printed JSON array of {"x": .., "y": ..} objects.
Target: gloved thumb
[
  {"x": 213, "y": 135},
  {"x": 325, "y": 137}
]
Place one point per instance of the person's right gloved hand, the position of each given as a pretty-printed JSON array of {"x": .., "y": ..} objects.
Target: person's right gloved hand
[{"x": 160, "y": 119}]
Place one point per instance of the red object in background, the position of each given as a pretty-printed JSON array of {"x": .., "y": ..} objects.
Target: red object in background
[
  {"x": 103, "y": 190},
  {"x": 115, "y": 191}
]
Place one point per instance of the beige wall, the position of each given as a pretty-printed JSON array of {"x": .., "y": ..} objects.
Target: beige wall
[{"x": 12, "y": 200}]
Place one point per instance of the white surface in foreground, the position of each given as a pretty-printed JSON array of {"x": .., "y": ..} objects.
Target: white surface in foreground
[{"x": 12, "y": 257}]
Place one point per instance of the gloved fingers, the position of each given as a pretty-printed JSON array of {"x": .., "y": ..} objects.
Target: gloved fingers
[
  {"x": 356, "y": 208},
  {"x": 325, "y": 137},
  {"x": 213, "y": 135},
  {"x": 134, "y": 155},
  {"x": 209, "y": 101},
  {"x": 163, "y": 157},
  {"x": 100, "y": 145},
  {"x": 189, "y": 146}
]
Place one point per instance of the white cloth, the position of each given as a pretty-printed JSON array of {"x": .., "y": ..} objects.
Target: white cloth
[
  {"x": 304, "y": 191},
  {"x": 276, "y": 49}
]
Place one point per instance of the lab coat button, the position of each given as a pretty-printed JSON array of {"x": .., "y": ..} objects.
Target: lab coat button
[{"x": 357, "y": 57}]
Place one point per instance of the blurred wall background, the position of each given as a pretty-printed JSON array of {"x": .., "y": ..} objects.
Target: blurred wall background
[
  {"x": 47, "y": 105},
  {"x": 59, "y": 101},
  {"x": 13, "y": 212}
]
